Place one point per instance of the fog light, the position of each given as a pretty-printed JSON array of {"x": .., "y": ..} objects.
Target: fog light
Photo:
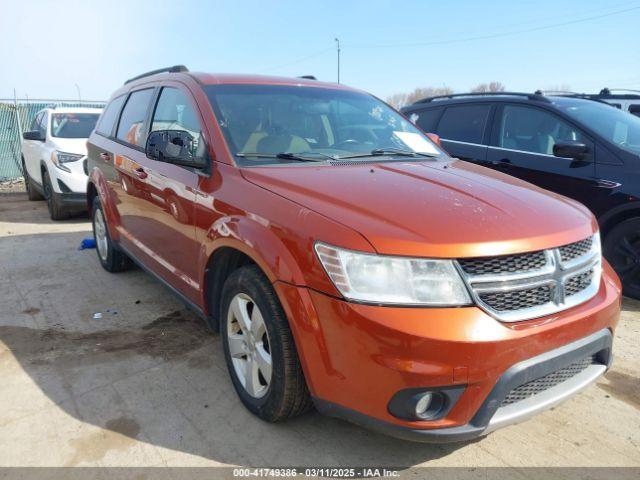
[{"x": 423, "y": 405}]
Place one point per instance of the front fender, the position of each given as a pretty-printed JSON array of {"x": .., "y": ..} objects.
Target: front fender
[{"x": 253, "y": 238}]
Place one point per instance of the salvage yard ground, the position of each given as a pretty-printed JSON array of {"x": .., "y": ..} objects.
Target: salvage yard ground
[{"x": 146, "y": 384}]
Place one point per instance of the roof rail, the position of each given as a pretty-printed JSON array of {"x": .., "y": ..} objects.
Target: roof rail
[
  {"x": 607, "y": 91},
  {"x": 530, "y": 96},
  {"x": 308, "y": 77},
  {"x": 174, "y": 69}
]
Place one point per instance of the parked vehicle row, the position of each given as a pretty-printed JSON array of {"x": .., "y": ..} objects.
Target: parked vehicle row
[
  {"x": 346, "y": 259},
  {"x": 52, "y": 158},
  {"x": 577, "y": 147}
]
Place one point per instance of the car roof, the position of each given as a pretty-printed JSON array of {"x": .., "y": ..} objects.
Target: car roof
[
  {"x": 529, "y": 99},
  {"x": 73, "y": 110},
  {"x": 204, "y": 78}
]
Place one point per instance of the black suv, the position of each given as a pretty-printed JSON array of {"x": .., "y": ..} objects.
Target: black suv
[{"x": 584, "y": 149}]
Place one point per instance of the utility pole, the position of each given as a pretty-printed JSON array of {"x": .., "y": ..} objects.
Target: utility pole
[
  {"x": 78, "y": 89},
  {"x": 338, "y": 48}
]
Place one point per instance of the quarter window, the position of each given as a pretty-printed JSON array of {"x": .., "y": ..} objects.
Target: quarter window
[
  {"x": 110, "y": 116},
  {"x": 131, "y": 126},
  {"x": 464, "y": 123},
  {"x": 534, "y": 130}
]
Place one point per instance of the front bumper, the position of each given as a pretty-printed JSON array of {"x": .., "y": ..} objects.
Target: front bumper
[
  {"x": 491, "y": 414},
  {"x": 357, "y": 357}
]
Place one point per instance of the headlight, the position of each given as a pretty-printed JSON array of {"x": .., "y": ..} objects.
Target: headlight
[
  {"x": 60, "y": 158},
  {"x": 393, "y": 280}
]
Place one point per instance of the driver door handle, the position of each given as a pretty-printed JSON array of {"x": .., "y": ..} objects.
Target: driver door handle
[
  {"x": 140, "y": 173},
  {"x": 505, "y": 162}
]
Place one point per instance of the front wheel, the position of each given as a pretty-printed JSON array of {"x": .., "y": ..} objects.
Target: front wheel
[
  {"x": 32, "y": 193},
  {"x": 259, "y": 349},
  {"x": 621, "y": 247},
  {"x": 111, "y": 258},
  {"x": 56, "y": 211}
]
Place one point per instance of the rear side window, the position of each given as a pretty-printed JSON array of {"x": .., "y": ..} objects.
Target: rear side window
[
  {"x": 131, "y": 126},
  {"x": 110, "y": 116},
  {"x": 464, "y": 123},
  {"x": 426, "y": 119}
]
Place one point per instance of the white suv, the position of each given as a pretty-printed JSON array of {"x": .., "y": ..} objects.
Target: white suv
[{"x": 53, "y": 152}]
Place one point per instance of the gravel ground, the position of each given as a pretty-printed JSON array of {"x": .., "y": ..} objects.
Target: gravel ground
[{"x": 146, "y": 384}]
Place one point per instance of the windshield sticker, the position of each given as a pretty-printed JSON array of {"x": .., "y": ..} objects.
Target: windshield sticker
[{"x": 416, "y": 142}]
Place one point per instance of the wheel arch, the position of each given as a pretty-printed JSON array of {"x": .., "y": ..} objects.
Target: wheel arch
[
  {"x": 617, "y": 215},
  {"x": 239, "y": 241}
]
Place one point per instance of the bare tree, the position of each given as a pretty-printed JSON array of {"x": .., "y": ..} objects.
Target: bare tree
[
  {"x": 399, "y": 100},
  {"x": 488, "y": 87}
]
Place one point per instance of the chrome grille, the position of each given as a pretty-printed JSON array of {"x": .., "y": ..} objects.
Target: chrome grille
[
  {"x": 523, "y": 286},
  {"x": 541, "y": 384},
  {"x": 507, "y": 263},
  {"x": 578, "y": 283},
  {"x": 517, "y": 299},
  {"x": 575, "y": 250}
]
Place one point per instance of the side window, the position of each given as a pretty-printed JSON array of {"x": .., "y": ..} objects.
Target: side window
[
  {"x": 35, "y": 123},
  {"x": 634, "y": 109},
  {"x": 131, "y": 126},
  {"x": 110, "y": 116},
  {"x": 426, "y": 119},
  {"x": 534, "y": 130},
  {"x": 174, "y": 111},
  {"x": 464, "y": 123},
  {"x": 42, "y": 124}
]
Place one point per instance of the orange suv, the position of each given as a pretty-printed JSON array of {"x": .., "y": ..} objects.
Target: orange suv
[{"x": 346, "y": 260}]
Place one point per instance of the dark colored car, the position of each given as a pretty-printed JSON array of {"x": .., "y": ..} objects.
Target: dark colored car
[{"x": 581, "y": 148}]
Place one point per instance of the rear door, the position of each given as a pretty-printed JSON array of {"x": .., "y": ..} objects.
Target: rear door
[
  {"x": 463, "y": 131},
  {"x": 522, "y": 145}
]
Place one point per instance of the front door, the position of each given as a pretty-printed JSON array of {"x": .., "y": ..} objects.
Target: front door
[
  {"x": 162, "y": 196},
  {"x": 522, "y": 145}
]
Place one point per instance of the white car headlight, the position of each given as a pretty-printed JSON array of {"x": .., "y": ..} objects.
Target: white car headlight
[
  {"x": 60, "y": 158},
  {"x": 390, "y": 280}
]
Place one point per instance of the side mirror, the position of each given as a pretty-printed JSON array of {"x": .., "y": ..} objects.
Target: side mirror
[
  {"x": 435, "y": 138},
  {"x": 34, "y": 135},
  {"x": 175, "y": 146},
  {"x": 574, "y": 150}
]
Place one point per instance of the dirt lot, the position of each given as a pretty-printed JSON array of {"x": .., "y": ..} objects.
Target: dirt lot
[{"x": 146, "y": 384}]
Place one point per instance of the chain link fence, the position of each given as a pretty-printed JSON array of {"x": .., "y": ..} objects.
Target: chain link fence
[{"x": 15, "y": 118}]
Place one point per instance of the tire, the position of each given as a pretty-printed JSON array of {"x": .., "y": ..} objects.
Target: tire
[
  {"x": 56, "y": 211},
  {"x": 29, "y": 184},
  {"x": 283, "y": 394},
  {"x": 110, "y": 257},
  {"x": 621, "y": 248}
]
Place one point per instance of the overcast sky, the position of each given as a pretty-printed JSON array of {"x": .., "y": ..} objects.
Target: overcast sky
[{"x": 47, "y": 47}]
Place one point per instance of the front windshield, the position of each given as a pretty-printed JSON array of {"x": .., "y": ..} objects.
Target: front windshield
[
  {"x": 262, "y": 121},
  {"x": 617, "y": 126},
  {"x": 73, "y": 125}
]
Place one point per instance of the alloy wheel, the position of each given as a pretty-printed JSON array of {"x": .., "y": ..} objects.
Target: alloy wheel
[
  {"x": 249, "y": 346},
  {"x": 625, "y": 259},
  {"x": 102, "y": 241}
]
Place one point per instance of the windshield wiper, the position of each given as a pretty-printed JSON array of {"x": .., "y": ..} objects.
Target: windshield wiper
[
  {"x": 303, "y": 157},
  {"x": 380, "y": 152}
]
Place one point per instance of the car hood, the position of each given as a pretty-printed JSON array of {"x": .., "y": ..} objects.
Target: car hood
[
  {"x": 436, "y": 209},
  {"x": 71, "y": 145}
]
